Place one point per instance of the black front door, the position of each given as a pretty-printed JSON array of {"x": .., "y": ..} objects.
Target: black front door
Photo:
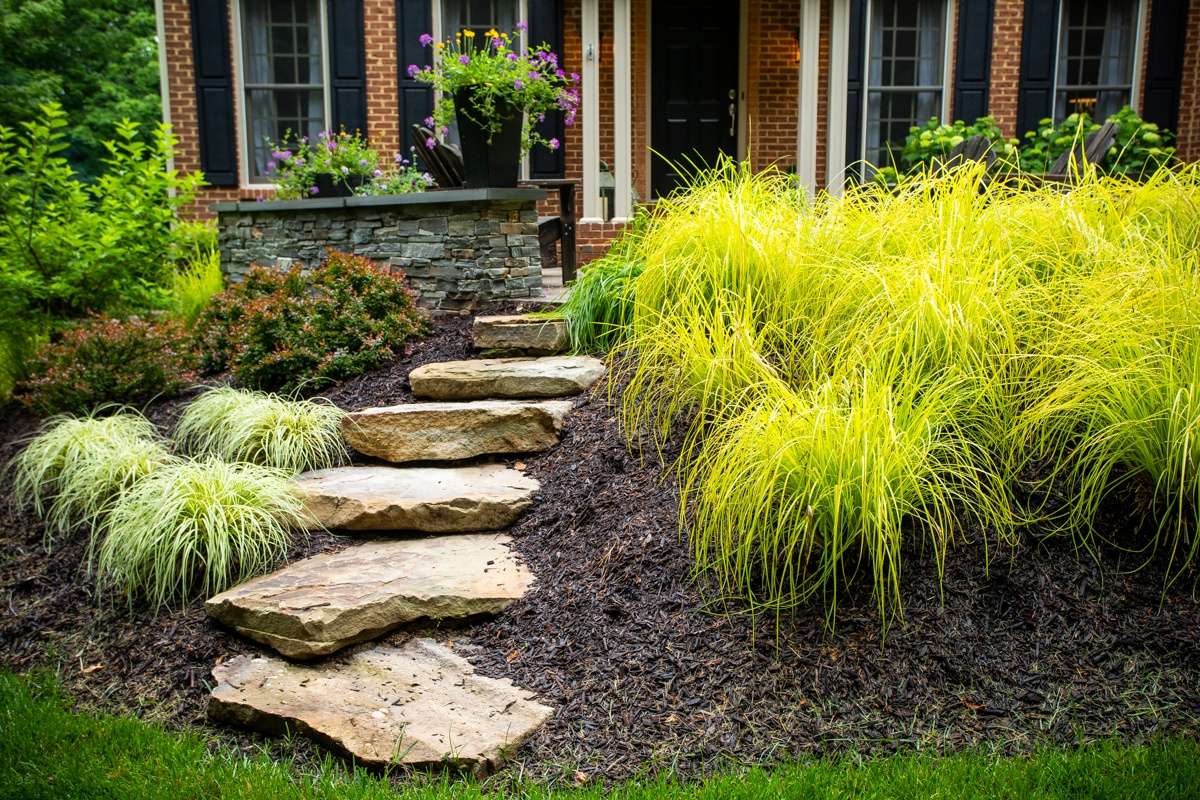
[{"x": 694, "y": 79}]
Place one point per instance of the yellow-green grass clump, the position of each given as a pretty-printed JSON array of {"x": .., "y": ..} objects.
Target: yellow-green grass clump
[
  {"x": 853, "y": 370},
  {"x": 260, "y": 428},
  {"x": 73, "y": 470},
  {"x": 197, "y": 527}
]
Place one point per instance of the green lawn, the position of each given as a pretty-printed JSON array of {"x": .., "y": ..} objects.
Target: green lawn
[{"x": 49, "y": 752}]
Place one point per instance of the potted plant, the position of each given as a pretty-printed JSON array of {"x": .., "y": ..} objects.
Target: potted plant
[
  {"x": 495, "y": 90},
  {"x": 334, "y": 165}
]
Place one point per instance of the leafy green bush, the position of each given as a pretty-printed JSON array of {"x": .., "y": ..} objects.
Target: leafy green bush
[
  {"x": 933, "y": 141},
  {"x": 297, "y": 331},
  {"x": 69, "y": 249},
  {"x": 292, "y": 435},
  {"x": 600, "y": 306},
  {"x": 108, "y": 361},
  {"x": 194, "y": 284},
  {"x": 197, "y": 526},
  {"x": 1141, "y": 147},
  {"x": 853, "y": 372},
  {"x": 74, "y": 468}
]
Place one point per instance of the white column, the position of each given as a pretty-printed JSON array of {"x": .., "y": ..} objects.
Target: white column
[
  {"x": 839, "y": 65},
  {"x": 622, "y": 112},
  {"x": 590, "y": 26},
  {"x": 164, "y": 85},
  {"x": 810, "y": 63}
]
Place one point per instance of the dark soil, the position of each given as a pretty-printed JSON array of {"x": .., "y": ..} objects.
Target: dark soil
[{"x": 1047, "y": 646}]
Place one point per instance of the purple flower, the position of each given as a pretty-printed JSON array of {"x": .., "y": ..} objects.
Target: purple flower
[
  {"x": 313, "y": 190},
  {"x": 425, "y": 39},
  {"x": 513, "y": 57},
  {"x": 554, "y": 143},
  {"x": 299, "y": 162},
  {"x": 464, "y": 59},
  {"x": 362, "y": 162},
  {"x": 518, "y": 84},
  {"x": 345, "y": 170},
  {"x": 378, "y": 173},
  {"x": 281, "y": 155},
  {"x": 430, "y": 143},
  {"x": 270, "y": 166},
  {"x": 413, "y": 69},
  {"x": 428, "y": 124},
  {"x": 534, "y": 75},
  {"x": 574, "y": 77},
  {"x": 521, "y": 26},
  {"x": 445, "y": 130}
]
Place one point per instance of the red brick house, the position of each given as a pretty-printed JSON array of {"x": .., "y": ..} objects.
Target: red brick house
[{"x": 810, "y": 85}]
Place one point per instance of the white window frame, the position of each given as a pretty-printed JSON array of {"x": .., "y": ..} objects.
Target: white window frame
[
  {"x": 948, "y": 30},
  {"x": 245, "y": 150},
  {"x": 1139, "y": 32}
]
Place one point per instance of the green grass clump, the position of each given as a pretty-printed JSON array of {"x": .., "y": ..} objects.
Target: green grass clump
[
  {"x": 196, "y": 282},
  {"x": 259, "y": 428},
  {"x": 49, "y": 752},
  {"x": 599, "y": 307},
  {"x": 852, "y": 371},
  {"x": 76, "y": 466},
  {"x": 197, "y": 526}
]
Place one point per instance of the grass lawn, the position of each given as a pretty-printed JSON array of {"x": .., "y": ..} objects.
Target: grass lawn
[{"x": 48, "y": 752}]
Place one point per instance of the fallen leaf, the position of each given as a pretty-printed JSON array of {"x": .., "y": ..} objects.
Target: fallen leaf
[
  {"x": 91, "y": 669},
  {"x": 513, "y": 656},
  {"x": 519, "y": 466}
]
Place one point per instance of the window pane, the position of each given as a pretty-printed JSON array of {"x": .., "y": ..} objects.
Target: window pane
[
  {"x": 275, "y": 114},
  {"x": 906, "y": 48},
  {"x": 479, "y": 15},
  {"x": 1095, "y": 57}
]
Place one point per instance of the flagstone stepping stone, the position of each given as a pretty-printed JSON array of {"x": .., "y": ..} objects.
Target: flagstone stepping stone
[
  {"x": 419, "y": 705},
  {"x": 520, "y": 332},
  {"x": 428, "y": 499},
  {"x": 451, "y": 431},
  {"x": 554, "y": 376},
  {"x": 324, "y": 603}
]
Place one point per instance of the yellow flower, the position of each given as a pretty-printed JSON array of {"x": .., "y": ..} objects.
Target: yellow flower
[
  {"x": 440, "y": 45},
  {"x": 470, "y": 34},
  {"x": 492, "y": 34},
  {"x": 504, "y": 36}
]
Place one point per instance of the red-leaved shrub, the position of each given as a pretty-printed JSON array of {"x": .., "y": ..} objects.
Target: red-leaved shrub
[{"x": 108, "y": 361}]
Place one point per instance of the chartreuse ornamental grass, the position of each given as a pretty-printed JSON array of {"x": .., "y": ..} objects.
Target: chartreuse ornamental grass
[
  {"x": 48, "y": 752},
  {"x": 260, "y": 428},
  {"x": 852, "y": 371},
  {"x": 197, "y": 527},
  {"x": 74, "y": 469}
]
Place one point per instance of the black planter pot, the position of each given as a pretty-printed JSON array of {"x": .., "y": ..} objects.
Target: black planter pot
[
  {"x": 495, "y": 163},
  {"x": 328, "y": 186}
]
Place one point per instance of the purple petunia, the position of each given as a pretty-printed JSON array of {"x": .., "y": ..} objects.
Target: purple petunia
[
  {"x": 281, "y": 155},
  {"x": 313, "y": 190},
  {"x": 413, "y": 69},
  {"x": 518, "y": 84},
  {"x": 430, "y": 143},
  {"x": 429, "y": 122},
  {"x": 464, "y": 59},
  {"x": 270, "y": 166},
  {"x": 425, "y": 39},
  {"x": 513, "y": 57},
  {"x": 554, "y": 143},
  {"x": 522, "y": 26}
]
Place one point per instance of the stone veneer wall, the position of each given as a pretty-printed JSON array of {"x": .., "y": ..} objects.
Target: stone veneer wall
[{"x": 456, "y": 246}]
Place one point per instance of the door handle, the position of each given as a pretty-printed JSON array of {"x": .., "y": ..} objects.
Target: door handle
[{"x": 732, "y": 119}]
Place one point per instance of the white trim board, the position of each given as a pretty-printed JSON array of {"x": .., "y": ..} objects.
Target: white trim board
[
  {"x": 622, "y": 112},
  {"x": 590, "y": 41},
  {"x": 835, "y": 129},
  {"x": 807, "y": 82}
]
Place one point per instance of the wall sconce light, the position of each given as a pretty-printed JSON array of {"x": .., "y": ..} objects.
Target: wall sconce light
[{"x": 796, "y": 45}]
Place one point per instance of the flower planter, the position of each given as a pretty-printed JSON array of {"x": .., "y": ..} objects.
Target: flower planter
[
  {"x": 494, "y": 163},
  {"x": 329, "y": 186}
]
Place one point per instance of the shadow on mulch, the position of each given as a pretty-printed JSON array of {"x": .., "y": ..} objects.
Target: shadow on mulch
[{"x": 1048, "y": 646}]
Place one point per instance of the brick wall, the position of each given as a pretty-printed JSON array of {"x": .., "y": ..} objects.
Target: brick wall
[
  {"x": 1006, "y": 65},
  {"x": 383, "y": 119},
  {"x": 1189, "y": 103},
  {"x": 773, "y": 82}
]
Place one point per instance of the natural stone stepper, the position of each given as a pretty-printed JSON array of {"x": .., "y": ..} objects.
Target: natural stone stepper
[
  {"x": 427, "y": 499},
  {"x": 452, "y": 431},
  {"x": 556, "y": 376},
  {"x": 417, "y": 705},
  {"x": 324, "y": 603},
  {"x": 524, "y": 333}
]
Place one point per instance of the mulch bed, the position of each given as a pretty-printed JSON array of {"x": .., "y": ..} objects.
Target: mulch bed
[{"x": 1048, "y": 646}]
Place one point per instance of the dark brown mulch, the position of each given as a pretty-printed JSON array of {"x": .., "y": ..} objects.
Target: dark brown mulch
[{"x": 1048, "y": 646}]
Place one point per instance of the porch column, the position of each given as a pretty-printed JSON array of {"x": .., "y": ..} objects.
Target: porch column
[
  {"x": 590, "y": 33},
  {"x": 810, "y": 64},
  {"x": 622, "y": 112},
  {"x": 835, "y": 124}
]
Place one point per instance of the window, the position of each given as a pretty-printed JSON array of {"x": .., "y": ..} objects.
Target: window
[
  {"x": 479, "y": 15},
  {"x": 283, "y": 75},
  {"x": 1096, "y": 46},
  {"x": 905, "y": 73}
]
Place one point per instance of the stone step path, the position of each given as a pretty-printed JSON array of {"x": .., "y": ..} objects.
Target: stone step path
[
  {"x": 520, "y": 333},
  {"x": 553, "y": 376},
  {"x": 321, "y": 604},
  {"x": 455, "y": 431},
  {"x": 419, "y": 705},
  {"x": 483, "y": 497}
]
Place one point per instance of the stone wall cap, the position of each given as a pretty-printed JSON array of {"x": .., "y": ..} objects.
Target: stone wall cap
[{"x": 431, "y": 198}]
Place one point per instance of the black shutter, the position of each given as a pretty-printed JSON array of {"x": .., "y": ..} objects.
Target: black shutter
[
  {"x": 1164, "y": 62},
  {"x": 546, "y": 26},
  {"x": 855, "y": 85},
  {"x": 413, "y": 17},
  {"x": 1039, "y": 44},
  {"x": 973, "y": 63},
  {"x": 347, "y": 66},
  {"x": 213, "y": 70}
]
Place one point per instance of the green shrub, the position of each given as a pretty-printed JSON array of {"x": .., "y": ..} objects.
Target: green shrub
[
  {"x": 76, "y": 466},
  {"x": 933, "y": 141},
  {"x": 292, "y": 435},
  {"x": 108, "y": 361},
  {"x": 69, "y": 249},
  {"x": 1141, "y": 147},
  {"x": 599, "y": 307},
  {"x": 197, "y": 526},
  {"x": 298, "y": 331},
  {"x": 195, "y": 283},
  {"x": 851, "y": 372}
]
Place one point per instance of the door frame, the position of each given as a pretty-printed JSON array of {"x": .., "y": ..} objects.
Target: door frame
[{"x": 742, "y": 139}]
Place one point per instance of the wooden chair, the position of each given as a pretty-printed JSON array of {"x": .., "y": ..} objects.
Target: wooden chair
[
  {"x": 444, "y": 163},
  {"x": 1091, "y": 150},
  {"x": 973, "y": 148}
]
